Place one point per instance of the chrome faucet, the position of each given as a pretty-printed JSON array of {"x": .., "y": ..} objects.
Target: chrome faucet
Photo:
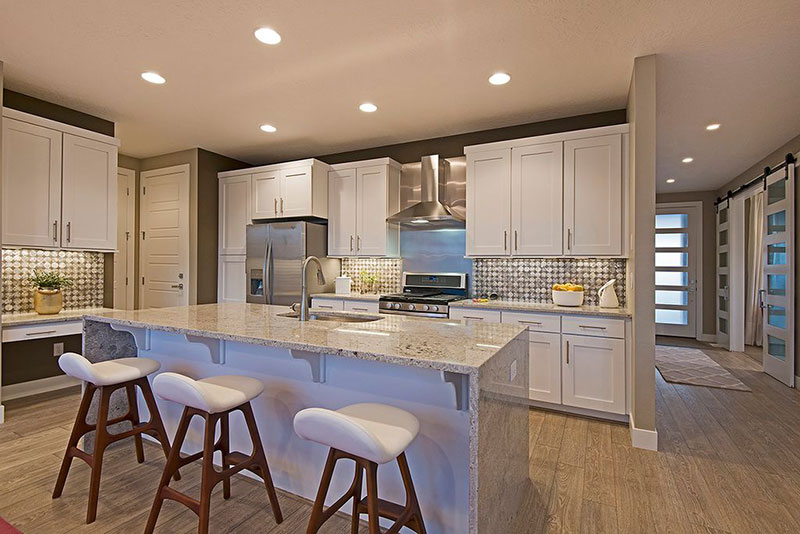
[{"x": 304, "y": 303}]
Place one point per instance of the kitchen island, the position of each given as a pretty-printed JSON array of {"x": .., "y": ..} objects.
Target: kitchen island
[{"x": 470, "y": 460}]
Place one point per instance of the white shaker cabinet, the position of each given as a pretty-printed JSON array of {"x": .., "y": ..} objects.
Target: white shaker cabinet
[
  {"x": 294, "y": 189},
  {"x": 89, "y": 194},
  {"x": 342, "y": 212},
  {"x": 545, "y": 367},
  {"x": 234, "y": 214},
  {"x": 31, "y": 185},
  {"x": 266, "y": 192},
  {"x": 488, "y": 203},
  {"x": 593, "y": 373},
  {"x": 593, "y": 196},
  {"x": 232, "y": 278}
]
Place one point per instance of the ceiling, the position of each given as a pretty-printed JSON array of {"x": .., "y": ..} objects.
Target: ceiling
[{"x": 425, "y": 63}]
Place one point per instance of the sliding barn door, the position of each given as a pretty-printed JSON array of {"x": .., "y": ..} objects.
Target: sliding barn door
[{"x": 779, "y": 273}]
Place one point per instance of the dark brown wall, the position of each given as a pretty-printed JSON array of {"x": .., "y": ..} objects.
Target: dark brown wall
[
  {"x": 51, "y": 111},
  {"x": 32, "y": 360}
]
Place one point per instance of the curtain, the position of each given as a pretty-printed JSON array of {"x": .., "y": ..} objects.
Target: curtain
[{"x": 754, "y": 271}]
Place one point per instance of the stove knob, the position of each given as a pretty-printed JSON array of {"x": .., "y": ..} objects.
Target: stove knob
[
  {"x": 425, "y": 307},
  {"x": 434, "y": 308},
  {"x": 396, "y": 306},
  {"x": 411, "y": 307}
]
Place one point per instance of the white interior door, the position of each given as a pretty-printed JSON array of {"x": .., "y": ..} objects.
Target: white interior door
[
  {"x": 124, "y": 257},
  {"x": 164, "y": 237},
  {"x": 779, "y": 276},
  {"x": 677, "y": 244}
]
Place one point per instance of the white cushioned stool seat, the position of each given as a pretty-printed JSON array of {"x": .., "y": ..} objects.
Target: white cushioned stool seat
[
  {"x": 213, "y": 395},
  {"x": 377, "y": 432},
  {"x": 109, "y": 372}
]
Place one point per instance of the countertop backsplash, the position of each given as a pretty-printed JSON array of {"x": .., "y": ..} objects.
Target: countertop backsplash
[
  {"x": 389, "y": 272},
  {"x": 532, "y": 279},
  {"x": 84, "y": 268}
]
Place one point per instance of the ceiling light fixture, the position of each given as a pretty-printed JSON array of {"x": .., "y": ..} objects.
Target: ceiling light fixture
[
  {"x": 268, "y": 128},
  {"x": 687, "y": 160},
  {"x": 153, "y": 77},
  {"x": 712, "y": 127},
  {"x": 268, "y": 36},
  {"x": 499, "y": 78},
  {"x": 368, "y": 107},
  {"x": 670, "y": 180}
]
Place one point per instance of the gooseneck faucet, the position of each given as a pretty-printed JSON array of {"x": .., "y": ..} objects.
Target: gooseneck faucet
[{"x": 304, "y": 303}]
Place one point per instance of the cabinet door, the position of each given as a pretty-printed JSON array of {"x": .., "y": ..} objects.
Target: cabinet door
[
  {"x": 234, "y": 214},
  {"x": 488, "y": 203},
  {"x": 295, "y": 199},
  {"x": 266, "y": 193},
  {"x": 545, "y": 367},
  {"x": 593, "y": 373},
  {"x": 31, "y": 185},
  {"x": 231, "y": 279},
  {"x": 593, "y": 196},
  {"x": 89, "y": 194},
  {"x": 536, "y": 200},
  {"x": 342, "y": 212},
  {"x": 371, "y": 219}
]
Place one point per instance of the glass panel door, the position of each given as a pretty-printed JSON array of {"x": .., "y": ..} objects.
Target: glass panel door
[
  {"x": 779, "y": 276},
  {"x": 723, "y": 275},
  {"x": 675, "y": 270}
]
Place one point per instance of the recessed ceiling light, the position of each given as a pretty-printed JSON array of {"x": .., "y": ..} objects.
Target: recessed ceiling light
[
  {"x": 268, "y": 128},
  {"x": 687, "y": 160},
  {"x": 670, "y": 180},
  {"x": 368, "y": 107},
  {"x": 268, "y": 36},
  {"x": 712, "y": 127},
  {"x": 153, "y": 77},
  {"x": 499, "y": 78}
]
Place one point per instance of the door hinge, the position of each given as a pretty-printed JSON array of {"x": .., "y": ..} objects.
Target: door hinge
[
  {"x": 126, "y": 280},
  {"x": 143, "y": 280},
  {"x": 143, "y": 235},
  {"x": 144, "y": 190},
  {"x": 128, "y": 191}
]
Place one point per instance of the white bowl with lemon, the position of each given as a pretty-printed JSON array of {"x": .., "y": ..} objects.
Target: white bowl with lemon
[{"x": 567, "y": 295}]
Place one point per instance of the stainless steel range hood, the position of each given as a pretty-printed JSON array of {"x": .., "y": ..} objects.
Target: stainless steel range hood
[{"x": 431, "y": 212}]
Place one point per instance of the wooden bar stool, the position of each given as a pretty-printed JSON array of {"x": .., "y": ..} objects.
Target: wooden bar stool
[
  {"x": 213, "y": 399},
  {"x": 105, "y": 378},
  {"x": 369, "y": 434}
]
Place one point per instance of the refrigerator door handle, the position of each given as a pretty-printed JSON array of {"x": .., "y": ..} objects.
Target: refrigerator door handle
[{"x": 268, "y": 274}]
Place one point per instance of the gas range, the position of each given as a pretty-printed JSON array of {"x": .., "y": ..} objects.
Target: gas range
[{"x": 426, "y": 294}]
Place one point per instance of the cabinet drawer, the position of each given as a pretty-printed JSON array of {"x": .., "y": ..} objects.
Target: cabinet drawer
[
  {"x": 536, "y": 322},
  {"x": 366, "y": 306},
  {"x": 593, "y": 326},
  {"x": 328, "y": 304},
  {"x": 42, "y": 330},
  {"x": 471, "y": 314}
]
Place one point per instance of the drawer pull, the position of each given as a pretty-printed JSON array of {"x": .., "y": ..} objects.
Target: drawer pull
[
  {"x": 568, "y": 352},
  {"x": 41, "y": 333},
  {"x": 591, "y": 327},
  {"x": 360, "y": 309},
  {"x": 537, "y": 323},
  {"x": 325, "y": 307},
  {"x": 473, "y": 317}
]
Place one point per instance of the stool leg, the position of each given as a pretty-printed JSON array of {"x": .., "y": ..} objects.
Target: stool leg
[
  {"x": 171, "y": 468},
  {"x": 208, "y": 480},
  {"x": 133, "y": 411},
  {"x": 356, "y": 498},
  {"x": 78, "y": 430},
  {"x": 100, "y": 443},
  {"x": 225, "y": 449},
  {"x": 372, "y": 497},
  {"x": 316, "y": 519},
  {"x": 258, "y": 453},
  {"x": 411, "y": 495},
  {"x": 155, "y": 419}
]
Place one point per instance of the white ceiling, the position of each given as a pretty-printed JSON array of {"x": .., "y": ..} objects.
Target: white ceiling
[{"x": 423, "y": 62}]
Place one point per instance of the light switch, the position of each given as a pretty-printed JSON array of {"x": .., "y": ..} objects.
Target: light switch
[{"x": 58, "y": 349}]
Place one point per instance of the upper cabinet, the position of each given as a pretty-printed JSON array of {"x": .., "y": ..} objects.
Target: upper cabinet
[
  {"x": 234, "y": 214},
  {"x": 553, "y": 195},
  {"x": 59, "y": 185},
  {"x": 296, "y": 189},
  {"x": 361, "y": 195}
]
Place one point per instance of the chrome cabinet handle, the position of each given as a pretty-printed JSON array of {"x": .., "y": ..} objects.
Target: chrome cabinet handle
[
  {"x": 351, "y": 243},
  {"x": 505, "y": 239},
  {"x": 177, "y": 286},
  {"x": 516, "y": 241},
  {"x": 358, "y": 243},
  {"x": 531, "y": 322},
  {"x": 55, "y": 231},
  {"x": 281, "y": 204},
  {"x": 472, "y": 317},
  {"x": 69, "y": 232},
  {"x": 591, "y": 327},
  {"x": 276, "y": 206},
  {"x": 40, "y": 333},
  {"x": 568, "y": 352},
  {"x": 360, "y": 309},
  {"x": 569, "y": 238}
]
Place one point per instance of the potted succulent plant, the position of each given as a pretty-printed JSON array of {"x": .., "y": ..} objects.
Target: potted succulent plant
[{"x": 47, "y": 296}]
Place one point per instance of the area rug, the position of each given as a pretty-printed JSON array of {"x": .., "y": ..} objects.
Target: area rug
[
  {"x": 7, "y": 528},
  {"x": 692, "y": 366}
]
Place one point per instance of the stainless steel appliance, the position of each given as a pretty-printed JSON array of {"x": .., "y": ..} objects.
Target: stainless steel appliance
[
  {"x": 426, "y": 294},
  {"x": 441, "y": 202},
  {"x": 275, "y": 256}
]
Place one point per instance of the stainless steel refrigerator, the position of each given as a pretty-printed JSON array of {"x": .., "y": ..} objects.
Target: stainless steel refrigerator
[{"x": 275, "y": 256}]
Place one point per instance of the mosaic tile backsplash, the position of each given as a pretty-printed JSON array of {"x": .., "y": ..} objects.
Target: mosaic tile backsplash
[
  {"x": 532, "y": 279},
  {"x": 84, "y": 268},
  {"x": 389, "y": 273}
]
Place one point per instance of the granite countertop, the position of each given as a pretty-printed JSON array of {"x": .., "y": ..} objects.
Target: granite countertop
[
  {"x": 433, "y": 344},
  {"x": 352, "y": 296},
  {"x": 19, "y": 319},
  {"x": 542, "y": 307}
]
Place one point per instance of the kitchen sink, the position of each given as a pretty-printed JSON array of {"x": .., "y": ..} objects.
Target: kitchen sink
[{"x": 334, "y": 316}]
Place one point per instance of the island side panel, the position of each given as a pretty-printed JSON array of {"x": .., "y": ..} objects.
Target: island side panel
[
  {"x": 102, "y": 343},
  {"x": 504, "y": 489}
]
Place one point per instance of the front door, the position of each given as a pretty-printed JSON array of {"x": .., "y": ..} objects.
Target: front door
[{"x": 165, "y": 237}]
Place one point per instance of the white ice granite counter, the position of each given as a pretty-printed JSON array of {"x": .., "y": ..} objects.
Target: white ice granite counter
[
  {"x": 542, "y": 307},
  {"x": 19, "y": 319}
]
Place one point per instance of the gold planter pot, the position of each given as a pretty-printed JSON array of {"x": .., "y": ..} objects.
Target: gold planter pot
[{"x": 48, "y": 301}]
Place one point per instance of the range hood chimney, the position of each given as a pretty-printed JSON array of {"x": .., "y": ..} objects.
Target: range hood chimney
[{"x": 430, "y": 212}]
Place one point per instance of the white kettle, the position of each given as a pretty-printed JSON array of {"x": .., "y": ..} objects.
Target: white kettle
[{"x": 608, "y": 296}]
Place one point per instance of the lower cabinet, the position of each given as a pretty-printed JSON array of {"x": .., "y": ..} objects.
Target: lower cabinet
[
  {"x": 545, "y": 367},
  {"x": 364, "y": 306},
  {"x": 593, "y": 373},
  {"x": 232, "y": 279}
]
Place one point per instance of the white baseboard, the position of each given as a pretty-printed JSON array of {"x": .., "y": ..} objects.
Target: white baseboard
[
  {"x": 2, "y": 414},
  {"x": 707, "y": 338},
  {"x": 643, "y": 439},
  {"x": 35, "y": 387}
]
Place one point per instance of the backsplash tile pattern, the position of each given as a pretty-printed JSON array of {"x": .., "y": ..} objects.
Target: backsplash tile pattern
[
  {"x": 532, "y": 279},
  {"x": 84, "y": 268},
  {"x": 388, "y": 270}
]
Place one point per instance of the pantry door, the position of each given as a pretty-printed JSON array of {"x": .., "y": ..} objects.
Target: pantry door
[{"x": 678, "y": 235}]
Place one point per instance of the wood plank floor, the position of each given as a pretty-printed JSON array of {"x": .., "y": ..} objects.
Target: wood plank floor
[{"x": 729, "y": 462}]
